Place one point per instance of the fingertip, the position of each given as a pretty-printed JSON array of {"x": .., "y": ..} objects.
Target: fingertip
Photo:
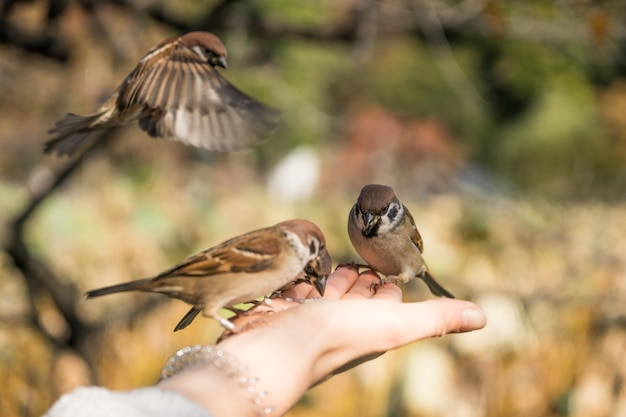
[
  {"x": 339, "y": 282},
  {"x": 344, "y": 269},
  {"x": 447, "y": 315},
  {"x": 473, "y": 318},
  {"x": 301, "y": 291}
]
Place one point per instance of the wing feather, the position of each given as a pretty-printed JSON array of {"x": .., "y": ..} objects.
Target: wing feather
[
  {"x": 252, "y": 252},
  {"x": 416, "y": 238},
  {"x": 184, "y": 98}
]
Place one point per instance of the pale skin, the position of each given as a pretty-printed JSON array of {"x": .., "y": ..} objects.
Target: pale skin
[{"x": 350, "y": 322}]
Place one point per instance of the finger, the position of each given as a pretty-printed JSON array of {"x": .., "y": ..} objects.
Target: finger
[
  {"x": 340, "y": 282},
  {"x": 404, "y": 323},
  {"x": 365, "y": 286},
  {"x": 366, "y": 326},
  {"x": 385, "y": 325},
  {"x": 300, "y": 291},
  {"x": 258, "y": 315},
  {"x": 444, "y": 315},
  {"x": 389, "y": 291}
]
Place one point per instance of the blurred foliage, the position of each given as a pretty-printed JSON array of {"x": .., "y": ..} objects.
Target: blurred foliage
[{"x": 501, "y": 124}]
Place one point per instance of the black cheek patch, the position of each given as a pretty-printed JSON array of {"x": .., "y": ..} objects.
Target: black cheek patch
[{"x": 393, "y": 212}]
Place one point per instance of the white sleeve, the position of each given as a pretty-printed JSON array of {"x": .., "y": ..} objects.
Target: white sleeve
[{"x": 143, "y": 402}]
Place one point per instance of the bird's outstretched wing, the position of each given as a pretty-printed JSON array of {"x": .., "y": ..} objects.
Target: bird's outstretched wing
[{"x": 182, "y": 97}]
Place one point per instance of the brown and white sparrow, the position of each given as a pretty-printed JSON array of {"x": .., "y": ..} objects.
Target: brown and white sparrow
[
  {"x": 240, "y": 270},
  {"x": 384, "y": 234},
  {"x": 314, "y": 273},
  {"x": 175, "y": 92}
]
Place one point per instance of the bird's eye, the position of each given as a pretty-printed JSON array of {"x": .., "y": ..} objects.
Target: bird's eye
[{"x": 384, "y": 210}]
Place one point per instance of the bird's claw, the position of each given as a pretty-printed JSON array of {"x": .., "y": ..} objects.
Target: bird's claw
[
  {"x": 227, "y": 324},
  {"x": 375, "y": 285},
  {"x": 352, "y": 265},
  {"x": 238, "y": 311},
  {"x": 249, "y": 325}
]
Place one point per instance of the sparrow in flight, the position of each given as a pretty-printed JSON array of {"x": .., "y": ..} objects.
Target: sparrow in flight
[{"x": 176, "y": 92}]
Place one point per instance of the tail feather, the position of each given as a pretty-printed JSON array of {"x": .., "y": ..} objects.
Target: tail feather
[
  {"x": 186, "y": 321},
  {"x": 138, "y": 285},
  {"x": 71, "y": 133},
  {"x": 435, "y": 287}
]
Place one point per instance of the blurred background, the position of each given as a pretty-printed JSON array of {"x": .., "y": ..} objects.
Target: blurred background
[{"x": 501, "y": 125}]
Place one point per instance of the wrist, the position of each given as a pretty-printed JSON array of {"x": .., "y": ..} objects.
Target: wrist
[
  {"x": 215, "y": 380},
  {"x": 284, "y": 357}
]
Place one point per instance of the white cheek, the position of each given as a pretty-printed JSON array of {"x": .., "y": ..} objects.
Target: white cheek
[
  {"x": 296, "y": 245},
  {"x": 385, "y": 226},
  {"x": 388, "y": 225}
]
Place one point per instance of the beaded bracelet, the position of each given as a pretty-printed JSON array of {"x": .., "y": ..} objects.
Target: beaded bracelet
[{"x": 201, "y": 354}]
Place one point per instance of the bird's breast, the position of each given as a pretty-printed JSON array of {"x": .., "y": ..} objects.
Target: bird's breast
[{"x": 390, "y": 253}]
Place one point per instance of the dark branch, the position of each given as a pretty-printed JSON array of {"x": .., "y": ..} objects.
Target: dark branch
[
  {"x": 39, "y": 278},
  {"x": 44, "y": 44}
]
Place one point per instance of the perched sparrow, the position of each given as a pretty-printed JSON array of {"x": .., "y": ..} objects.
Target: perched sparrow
[
  {"x": 383, "y": 232},
  {"x": 239, "y": 270},
  {"x": 314, "y": 273},
  {"x": 176, "y": 93}
]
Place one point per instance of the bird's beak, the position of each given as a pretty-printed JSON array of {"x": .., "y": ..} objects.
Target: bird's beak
[
  {"x": 370, "y": 221},
  {"x": 318, "y": 270},
  {"x": 221, "y": 62},
  {"x": 320, "y": 284}
]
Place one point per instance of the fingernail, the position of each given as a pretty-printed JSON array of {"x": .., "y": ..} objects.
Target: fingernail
[{"x": 473, "y": 319}]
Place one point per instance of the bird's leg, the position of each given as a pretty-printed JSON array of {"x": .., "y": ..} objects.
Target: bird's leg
[
  {"x": 389, "y": 279},
  {"x": 247, "y": 325},
  {"x": 375, "y": 285},
  {"x": 225, "y": 323},
  {"x": 238, "y": 311},
  {"x": 247, "y": 319},
  {"x": 279, "y": 294},
  {"x": 275, "y": 294},
  {"x": 256, "y": 303}
]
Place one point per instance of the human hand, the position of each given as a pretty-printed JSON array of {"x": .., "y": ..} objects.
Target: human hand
[{"x": 302, "y": 343}]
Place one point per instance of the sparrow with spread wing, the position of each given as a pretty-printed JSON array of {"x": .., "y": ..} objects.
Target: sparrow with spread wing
[{"x": 176, "y": 92}]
